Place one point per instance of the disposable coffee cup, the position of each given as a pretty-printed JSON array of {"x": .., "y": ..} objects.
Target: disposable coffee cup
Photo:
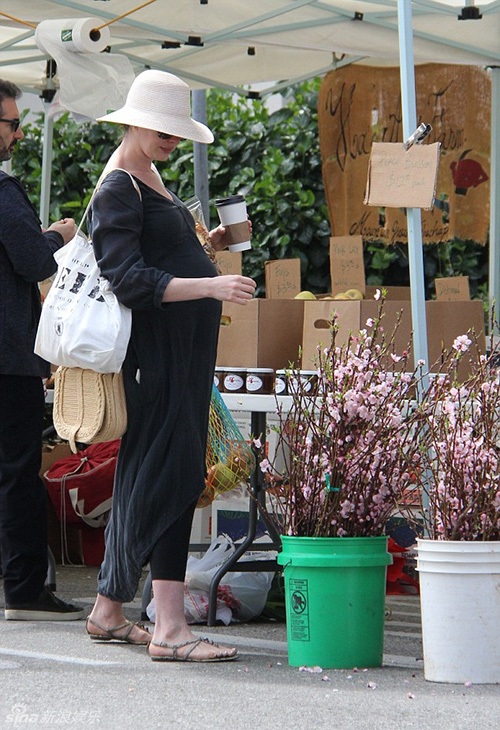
[{"x": 233, "y": 216}]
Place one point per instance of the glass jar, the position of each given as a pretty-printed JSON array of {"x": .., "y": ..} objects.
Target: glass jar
[
  {"x": 219, "y": 379},
  {"x": 309, "y": 380},
  {"x": 280, "y": 385},
  {"x": 260, "y": 381},
  {"x": 306, "y": 380},
  {"x": 235, "y": 380}
]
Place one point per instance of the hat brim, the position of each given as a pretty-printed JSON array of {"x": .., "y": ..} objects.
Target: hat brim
[{"x": 183, "y": 127}]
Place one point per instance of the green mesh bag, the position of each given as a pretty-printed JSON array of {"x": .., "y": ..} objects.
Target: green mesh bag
[{"x": 229, "y": 459}]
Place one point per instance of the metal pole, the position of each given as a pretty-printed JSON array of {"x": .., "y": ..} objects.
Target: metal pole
[
  {"x": 199, "y": 99},
  {"x": 494, "y": 258},
  {"x": 48, "y": 133},
  {"x": 414, "y": 218}
]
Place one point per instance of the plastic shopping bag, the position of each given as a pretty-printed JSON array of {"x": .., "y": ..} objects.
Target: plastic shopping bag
[{"x": 241, "y": 596}]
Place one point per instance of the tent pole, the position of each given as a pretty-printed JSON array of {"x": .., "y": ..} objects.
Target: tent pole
[
  {"x": 48, "y": 130},
  {"x": 414, "y": 218},
  {"x": 494, "y": 243},
  {"x": 200, "y": 159}
]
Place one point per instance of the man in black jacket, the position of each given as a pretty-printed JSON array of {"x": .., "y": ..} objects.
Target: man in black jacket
[{"x": 26, "y": 257}]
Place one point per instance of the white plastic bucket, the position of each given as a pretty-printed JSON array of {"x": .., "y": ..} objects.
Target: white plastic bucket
[{"x": 460, "y": 603}]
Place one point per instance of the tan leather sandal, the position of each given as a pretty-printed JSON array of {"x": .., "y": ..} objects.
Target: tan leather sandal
[
  {"x": 223, "y": 656},
  {"x": 113, "y": 635}
]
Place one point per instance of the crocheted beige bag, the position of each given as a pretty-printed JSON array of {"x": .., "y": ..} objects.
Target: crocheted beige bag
[{"x": 89, "y": 407}]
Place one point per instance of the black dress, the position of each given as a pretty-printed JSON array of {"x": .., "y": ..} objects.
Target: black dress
[{"x": 168, "y": 371}]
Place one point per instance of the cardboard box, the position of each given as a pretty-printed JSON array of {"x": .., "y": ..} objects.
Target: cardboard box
[
  {"x": 263, "y": 333},
  {"x": 52, "y": 453},
  {"x": 446, "y": 320},
  {"x": 352, "y": 316}
]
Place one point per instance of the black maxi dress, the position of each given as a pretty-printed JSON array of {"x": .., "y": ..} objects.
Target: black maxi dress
[{"x": 140, "y": 245}]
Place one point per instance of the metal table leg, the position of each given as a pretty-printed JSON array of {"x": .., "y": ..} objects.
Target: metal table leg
[{"x": 258, "y": 429}]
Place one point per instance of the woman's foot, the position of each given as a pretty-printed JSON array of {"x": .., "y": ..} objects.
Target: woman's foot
[
  {"x": 122, "y": 630},
  {"x": 192, "y": 650}
]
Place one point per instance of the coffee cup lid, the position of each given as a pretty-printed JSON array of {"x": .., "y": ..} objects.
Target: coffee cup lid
[{"x": 231, "y": 199}]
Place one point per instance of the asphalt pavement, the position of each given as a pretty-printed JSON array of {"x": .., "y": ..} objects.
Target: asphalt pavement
[{"x": 53, "y": 676}]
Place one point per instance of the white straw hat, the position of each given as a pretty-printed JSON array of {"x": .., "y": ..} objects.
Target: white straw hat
[{"x": 161, "y": 101}]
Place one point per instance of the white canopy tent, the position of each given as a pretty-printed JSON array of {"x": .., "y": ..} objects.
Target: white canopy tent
[{"x": 232, "y": 45}]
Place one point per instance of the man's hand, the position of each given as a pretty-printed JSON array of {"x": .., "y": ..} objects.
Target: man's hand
[{"x": 66, "y": 227}]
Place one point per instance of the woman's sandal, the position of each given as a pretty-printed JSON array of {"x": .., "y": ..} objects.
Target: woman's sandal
[
  {"x": 113, "y": 635},
  {"x": 186, "y": 657}
]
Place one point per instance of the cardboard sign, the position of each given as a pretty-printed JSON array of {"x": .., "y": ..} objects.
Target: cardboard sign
[
  {"x": 282, "y": 278},
  {"x": 347, "y": 268},
  {"x": 359, "y": 105},
  {"x": 452, "y": 289},
  {"x": 229, "y": 263},
  {"x": 399, "y": 178}
]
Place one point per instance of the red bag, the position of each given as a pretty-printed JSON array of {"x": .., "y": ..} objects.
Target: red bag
[{"x": 80, "y": 486}]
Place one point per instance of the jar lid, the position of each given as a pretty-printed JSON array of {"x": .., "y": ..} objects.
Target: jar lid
[
  {"x": 308, "y": 372},
  {"x": 260, "y": 370},
  {"x": 235, "y": 370}
]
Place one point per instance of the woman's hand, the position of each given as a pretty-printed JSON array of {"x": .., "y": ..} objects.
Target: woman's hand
[
  {"x": 227, "y": 288},
  {"x": 218, "y": 236},
  {"x": 232, "y": 288}
]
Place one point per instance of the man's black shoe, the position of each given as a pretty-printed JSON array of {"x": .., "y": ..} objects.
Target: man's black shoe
[{"x": 46, "y": 608}]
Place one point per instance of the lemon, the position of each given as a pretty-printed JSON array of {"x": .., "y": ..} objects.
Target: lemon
[
  {"x": 221, "y": 478},
  {"x": 354, "y": 294},
  {"x": 305, "y": 295},
  {"x": 240, "y": 462}
]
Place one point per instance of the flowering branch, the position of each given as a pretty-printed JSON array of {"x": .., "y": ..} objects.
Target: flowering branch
[
  {"x": 457, "y": 429},
  {"x": 375, "y": 434},
  {"x": 348, "y": 448}
]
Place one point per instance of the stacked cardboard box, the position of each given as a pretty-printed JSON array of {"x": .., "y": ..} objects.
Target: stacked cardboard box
[{"x": 275, "y": 332}]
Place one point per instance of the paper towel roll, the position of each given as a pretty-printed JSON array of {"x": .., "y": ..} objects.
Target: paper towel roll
[
  {"x": 77, "y": 35},
  {"x": 91, "y": 83}
]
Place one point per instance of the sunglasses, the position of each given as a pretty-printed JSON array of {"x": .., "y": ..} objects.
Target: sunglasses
[
  {"x": 14, "y": 123},
  {"x": 162, "y": 135}
]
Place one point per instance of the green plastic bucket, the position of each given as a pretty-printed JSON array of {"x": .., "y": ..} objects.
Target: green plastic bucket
[{"x": 335, "y": 600}]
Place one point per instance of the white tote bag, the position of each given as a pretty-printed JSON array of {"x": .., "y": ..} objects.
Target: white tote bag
[{"x": 82, "y": 323}]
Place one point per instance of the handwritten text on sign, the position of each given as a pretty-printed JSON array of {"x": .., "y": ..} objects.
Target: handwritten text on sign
[
  {"x": 399, "y": 178},
  {"x": 282, "y": 278},
  {"x": 452, "y": 288},
  {"x": 347, "y": 269}
]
